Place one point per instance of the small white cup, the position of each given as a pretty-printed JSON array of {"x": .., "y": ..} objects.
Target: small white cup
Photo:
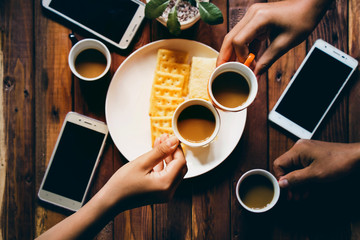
[
  {"x": 187, "y": 104},
  {"x": 272, "y": 179},
  {"x": 241, "y": 69},
  {"x": 84, "y": 45}
]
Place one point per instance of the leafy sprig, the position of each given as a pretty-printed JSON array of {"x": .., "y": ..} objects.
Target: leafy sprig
[{"x": 209, "y": 13}]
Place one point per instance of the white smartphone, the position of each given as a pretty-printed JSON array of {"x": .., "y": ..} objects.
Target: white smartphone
[
  {"x": 73, "y": 161},
  {"x": 115, "y": 21},
  {"x": 313, "y": 89}
]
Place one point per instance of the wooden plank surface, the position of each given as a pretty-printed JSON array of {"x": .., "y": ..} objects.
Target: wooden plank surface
[
  {"x": 17, "y": 99},
  {"x": 53, "y": 101},
  {"x": 3, "y": 145},
  {"x": 38, "y": 89}
]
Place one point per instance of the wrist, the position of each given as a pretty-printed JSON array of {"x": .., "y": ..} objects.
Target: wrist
[
  {"x": 109, "y": 200},
  {"x": 314, "y": 10}
]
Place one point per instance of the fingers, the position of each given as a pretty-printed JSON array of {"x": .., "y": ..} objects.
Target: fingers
[
  {"x": 229, "y": 47},
  {"x": 177, "y": 166},
  {"x": 276, "y": 49},
  {"x": 150, "y": 159},
  {"x": 160, "y": 165},
  {"x": 296, "y": 178},
  {"x": 294, "y": 168}
]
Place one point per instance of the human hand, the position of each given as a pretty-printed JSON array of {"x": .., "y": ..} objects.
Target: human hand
[
  {"x": 147, "y": 179},
  {"x": 286, "y": 23},
  {"x": 316, "y": 161},
  {"x": 142, "y": 181}
]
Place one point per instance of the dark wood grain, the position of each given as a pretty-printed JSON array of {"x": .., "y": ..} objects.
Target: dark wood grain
[
  {"x": 18, "y": 101},
  {"x": 37, "y": 90},
  {"x": 3, "y": 144},
  {"x": 53, "y": 100}
]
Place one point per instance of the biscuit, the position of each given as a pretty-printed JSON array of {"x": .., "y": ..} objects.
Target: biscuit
[
  {"x": 170, "y": 85},
  {"x": 177, "y": 68},
  {"x": 201, "y": 70},
  {"x": 167, "y": 55},
  {"x": 160, "y": 103},
  {"x": 169, "y": 79},
  {"x": 159, "y": 126}
]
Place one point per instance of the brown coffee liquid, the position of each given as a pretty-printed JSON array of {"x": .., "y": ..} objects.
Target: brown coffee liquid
[
  {"x": 196, "y": 123},
  {"x": 90, "y": 63},
  {"x": 256, "y": 191},
  {"x": 230, "y": 89}
]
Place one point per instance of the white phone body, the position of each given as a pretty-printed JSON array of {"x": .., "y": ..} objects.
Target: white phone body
[
  {"x": 73, "y": 162},
  {"x": 313, "y": 89},
  {"x": 115, "y": 22}
]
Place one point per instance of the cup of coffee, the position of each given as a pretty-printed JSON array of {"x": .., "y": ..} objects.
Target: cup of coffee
[
  {"x": 232, "y": 86},
  {"x": 89, "y": 59},
  {"x": 196, "y": 122},
  {"x": 257, "y": 190}
]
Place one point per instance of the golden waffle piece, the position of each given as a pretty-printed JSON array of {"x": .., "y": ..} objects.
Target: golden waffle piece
[
  {"x": 168, "y": 79},
  {"x": 163, "y": 105},
  {"x": 177, "y": 68},
  {"x": 160, "y": 126},
  {"x": 167, "y": 55},
  {"x": 201, "y": 70},
  {"x": 170, "y": 85}
]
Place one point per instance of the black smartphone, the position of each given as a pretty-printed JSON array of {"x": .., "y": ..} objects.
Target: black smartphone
[
  {"x": 115, "y": 21},
  {"x": 313, "y": 89}
]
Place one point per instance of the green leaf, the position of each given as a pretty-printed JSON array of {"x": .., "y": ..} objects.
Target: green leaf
[
  {"x": 192, "y": 2},
  {"x": 210, "y": 13},
  {"x": 155, "y": 8},
  {"x": 173, "y": 23}
]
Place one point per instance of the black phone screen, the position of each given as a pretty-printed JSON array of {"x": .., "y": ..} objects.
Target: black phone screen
[
  {"x": 313, "y": 90},
  {"x": 73, "y": 161},
  {"x": 110, "y": 18}
]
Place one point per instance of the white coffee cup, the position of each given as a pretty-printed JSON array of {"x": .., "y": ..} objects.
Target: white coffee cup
[
  {"x": 83, "y": 45},
  {"x": 267, "y": 175},
  {"x": 244, "y": 71},
  {"x": 186, "y": 104}
]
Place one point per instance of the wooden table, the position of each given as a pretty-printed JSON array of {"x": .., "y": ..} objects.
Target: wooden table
[{"x": 37, "y": 90}]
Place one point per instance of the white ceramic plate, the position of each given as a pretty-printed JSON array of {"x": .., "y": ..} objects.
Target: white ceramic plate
[{"x": 127, "y": 107}]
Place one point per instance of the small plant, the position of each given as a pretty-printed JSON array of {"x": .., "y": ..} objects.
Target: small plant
[{"x": 209, "y": 13}]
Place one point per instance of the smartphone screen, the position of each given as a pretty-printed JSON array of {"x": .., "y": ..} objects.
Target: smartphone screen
[
  {"x": 110, "y": 18},
  {"x": 313, "y": 90},
  {"x": 73, "y": 161}
]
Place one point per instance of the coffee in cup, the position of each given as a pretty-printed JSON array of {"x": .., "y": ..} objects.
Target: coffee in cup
[
  {"x": 89, "y": 59},
  {"x": 196, "y": 122},
  {"x": 232, "y": 86},
  {"x": 257, "y": 190}
]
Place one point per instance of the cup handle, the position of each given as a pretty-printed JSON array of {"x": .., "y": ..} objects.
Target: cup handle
[
  {"x": 250, "y": 58},
  {"x": 73, "y": 38}
]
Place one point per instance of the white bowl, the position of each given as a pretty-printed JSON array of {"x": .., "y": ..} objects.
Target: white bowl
[{"x": 183, "y": 25}]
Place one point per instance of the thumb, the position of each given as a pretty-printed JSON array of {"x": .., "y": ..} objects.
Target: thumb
[
  {"x": 158, "y": 153},
  {"x": 295, "y": 178}
]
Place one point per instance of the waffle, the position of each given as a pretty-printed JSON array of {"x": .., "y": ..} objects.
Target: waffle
[{"x": 169, "y": 86}]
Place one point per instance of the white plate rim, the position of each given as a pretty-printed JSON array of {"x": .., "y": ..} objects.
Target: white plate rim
[{"x": 239, "y": 116}]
